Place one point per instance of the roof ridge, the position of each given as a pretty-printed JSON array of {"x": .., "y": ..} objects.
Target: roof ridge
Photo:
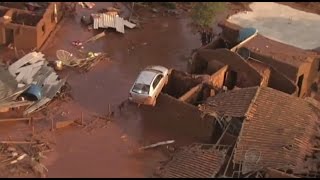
[{"x": 252, "y": 101}]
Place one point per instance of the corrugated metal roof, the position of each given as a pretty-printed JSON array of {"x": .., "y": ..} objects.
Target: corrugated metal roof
[
  {"x": 7, "y": 83},
  {"x": 110, "y": 21}
]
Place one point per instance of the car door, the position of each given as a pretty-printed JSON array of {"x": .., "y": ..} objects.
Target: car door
[{"x": 157, "y": 85}]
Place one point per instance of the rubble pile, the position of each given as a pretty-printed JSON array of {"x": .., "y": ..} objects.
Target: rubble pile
[
  {"x": 31, "y": 80},
  {"x": 20, "y": 158}
]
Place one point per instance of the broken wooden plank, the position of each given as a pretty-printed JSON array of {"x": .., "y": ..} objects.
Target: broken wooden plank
[
  {"x": 96, "y": 37},
  {"x": 89, "y": 5},
  {"x": 20, "y": 119},
  {"x": 100, "y": 117},
  {"x": 17, "y": 142},
  {"x": 62, "y": 124},
  {"x": 36, "y": 106},
  {"x": 15, "y": 104},
  {"x": 157, "y": 144}
]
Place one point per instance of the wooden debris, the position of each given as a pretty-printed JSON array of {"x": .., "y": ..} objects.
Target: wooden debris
[
  {"x": 96, "y": 37},
  {"x": 20, "y": 119},
  {"x": 157, "y": 144},
  {"x": 89, "y": 5},
  {"x": 62, "y": 124},
  {"x": 17, "y": 142},
  {"x": 81, "y": 118},
  {"x": 39, "y": 168},
  {"x": 52, "y": 125}
]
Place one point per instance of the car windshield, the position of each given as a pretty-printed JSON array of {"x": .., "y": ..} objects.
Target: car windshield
[{"x": 141, "y": 88}]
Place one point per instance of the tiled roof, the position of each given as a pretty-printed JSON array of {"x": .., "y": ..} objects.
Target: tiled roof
[
  {"x": 194, "y": 162},
  {"x": 278, "y": 127},
  {"x": 232, "y": 103}
]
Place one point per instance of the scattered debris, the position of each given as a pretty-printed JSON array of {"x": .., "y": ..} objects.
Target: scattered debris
[
  {"x": 84, "y": 64},
  {"x": 111, "y": 21},
  {"x": 77, "y": 43},
  {"x": 32, "y": 78},
  {"x": 154, "y": 10},
  {"x": 62, "y": 124},
  {"x": 17, "y": 157},
  {"x": 19, "y": 119},
  {"x": 96, "y": 37},
  {"x": 82, "y": 4},
  {"x": 157, "y": 144},
  {"x": 87, "y": 20},
  {"x": 89, "y": 5}
]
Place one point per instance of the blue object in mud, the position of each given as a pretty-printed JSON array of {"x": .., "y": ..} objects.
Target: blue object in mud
[
  {"x": 245, "y": 33},
  {"x": 35, "y": 91}
]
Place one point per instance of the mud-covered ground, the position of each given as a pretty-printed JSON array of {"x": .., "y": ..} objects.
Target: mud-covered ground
[{"x": 109, "y": 149}]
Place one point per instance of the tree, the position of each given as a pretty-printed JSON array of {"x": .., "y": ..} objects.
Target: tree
[{"x": 203, "y": 14}]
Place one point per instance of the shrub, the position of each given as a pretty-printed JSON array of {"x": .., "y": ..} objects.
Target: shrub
[{"x": 203, "y": 13}]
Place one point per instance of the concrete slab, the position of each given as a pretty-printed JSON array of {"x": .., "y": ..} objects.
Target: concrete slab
[{"x": 281, "y": 23}]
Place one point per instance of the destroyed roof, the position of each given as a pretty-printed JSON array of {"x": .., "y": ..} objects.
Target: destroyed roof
[
  {"x": 277, "y": 129},
  {"x": 279, "y": 51},
  {"x": 195, "y": 161},
  {"x": 7, "y": 83},
  {"x": 232, "y": 103}
]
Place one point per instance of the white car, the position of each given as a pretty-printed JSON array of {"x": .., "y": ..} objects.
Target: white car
[{"x": 148, "y": 85}]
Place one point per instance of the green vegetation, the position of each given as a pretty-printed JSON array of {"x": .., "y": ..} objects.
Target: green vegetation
[
  {"x": 169, "y": 5},
  {"x": 203, "y": 13}
]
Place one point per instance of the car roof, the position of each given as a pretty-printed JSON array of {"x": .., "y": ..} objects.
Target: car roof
[
  {"x": 158, "y": 68},
  {"x": 146, "y": 76}
]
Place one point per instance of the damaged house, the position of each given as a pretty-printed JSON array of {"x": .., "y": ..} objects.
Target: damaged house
[
  {"x": 273, "y": 130},
  {"x": 239, "y": 72},
  {"x": 28, "y": 28},
  {"x": 302, "y": 67}
]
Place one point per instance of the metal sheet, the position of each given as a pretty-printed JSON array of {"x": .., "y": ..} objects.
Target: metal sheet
[
  {"x": 110, "y": 21},
  {"x": 119, "y": 24}
]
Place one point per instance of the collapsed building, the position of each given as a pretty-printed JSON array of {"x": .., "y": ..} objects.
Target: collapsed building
[
  {"x": 240, "y": 73},
  {"x": 28, "y": 28},
  {"x": 302, "y": 67},
  {"x": 259, "y": 132},
  {"x": 271, "y": 129}
]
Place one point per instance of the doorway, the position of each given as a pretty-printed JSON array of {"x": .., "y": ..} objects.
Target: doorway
[
  {"x": 9, "y": 36},
  {"x": 300, "y": 81},
  {"x": 230, "y": 79}
]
